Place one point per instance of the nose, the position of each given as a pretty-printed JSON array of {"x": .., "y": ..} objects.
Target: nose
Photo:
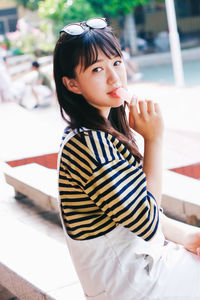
[{"x": 112, "y": 76}]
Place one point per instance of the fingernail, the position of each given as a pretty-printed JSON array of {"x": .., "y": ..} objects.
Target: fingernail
[
  {"x": 198, "y": 251},
  {"x": 134, "y": 100}
]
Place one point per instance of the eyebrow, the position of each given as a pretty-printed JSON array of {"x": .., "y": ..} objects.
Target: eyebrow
[{"x": 97, "y": 61}]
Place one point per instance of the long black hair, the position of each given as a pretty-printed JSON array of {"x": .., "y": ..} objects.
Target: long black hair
[{"x": 69, "y": 52}]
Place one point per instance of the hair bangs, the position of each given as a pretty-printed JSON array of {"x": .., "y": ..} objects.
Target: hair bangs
[{"x": 95, "y": 41}]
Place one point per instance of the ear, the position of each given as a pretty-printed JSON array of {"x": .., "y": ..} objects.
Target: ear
[{"x": 71, "y": 84}]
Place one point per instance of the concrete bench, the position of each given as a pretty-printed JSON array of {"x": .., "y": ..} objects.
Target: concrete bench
[
  {"x": 36, "y": 182},
  {"x": 34, "y": 266},
  {"x": 15, "y": 59},
  {"x": 180, "y": 197},
  {"x": 23, "y": 63}
]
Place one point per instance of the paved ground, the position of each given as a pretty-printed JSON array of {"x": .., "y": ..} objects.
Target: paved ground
[{"x": 37, "y": 132}]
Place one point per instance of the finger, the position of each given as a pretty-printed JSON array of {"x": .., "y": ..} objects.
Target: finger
[
  {"x": 198, "y": 251},
  {"x": 143, "y": 109},
  {"x": 133, "y": 113},
  {"x": 150, "y": 106},
  {"x": 157, "y": 108},
  {"x": 131, "y": 120},
  {"x": 133, "y": 101},
  {"x": 133, "y": 110}
]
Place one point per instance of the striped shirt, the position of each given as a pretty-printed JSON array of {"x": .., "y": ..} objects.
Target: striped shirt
[{"x": 101, "y": 185}]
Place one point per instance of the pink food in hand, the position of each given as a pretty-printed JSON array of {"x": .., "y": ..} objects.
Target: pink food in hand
[
  {"x": 122, "y": 93},
  {"x": 198, "y": 251}
]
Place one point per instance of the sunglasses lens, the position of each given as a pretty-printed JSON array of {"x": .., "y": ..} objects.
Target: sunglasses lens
[
  {"x": 73, "y": 29},
  {"x": 96, "y": 23},
  {"x": 79, "y": 28}
]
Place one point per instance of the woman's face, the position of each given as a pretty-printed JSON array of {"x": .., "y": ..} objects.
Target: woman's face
[{"x": 99, "y": 81}]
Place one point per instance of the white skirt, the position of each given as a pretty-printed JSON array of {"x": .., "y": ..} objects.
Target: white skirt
[{"x": 121, "y": 266}]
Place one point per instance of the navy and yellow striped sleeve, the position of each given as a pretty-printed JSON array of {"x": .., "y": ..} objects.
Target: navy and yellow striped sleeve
[{"x": 117, "y": 185}]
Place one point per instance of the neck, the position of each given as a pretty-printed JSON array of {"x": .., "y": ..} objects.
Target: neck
[{"x": 105, "y": 112}]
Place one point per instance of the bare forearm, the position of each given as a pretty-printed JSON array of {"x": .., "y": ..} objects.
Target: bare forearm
[
  {"x": 152, "y": 167},
  {"x": 175, "y": 231},
  {"x": 186, "y": 235},
  {"x": 146, "y": 119}
]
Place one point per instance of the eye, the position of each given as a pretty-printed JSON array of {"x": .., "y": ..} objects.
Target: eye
[
  {"x": 98, "y": 69},
  {"x": 117, "y": 63}
]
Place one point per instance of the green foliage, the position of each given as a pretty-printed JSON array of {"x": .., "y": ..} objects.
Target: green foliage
[
  {"x": 30, "y": 4},
  {"x": 63, "y": 12},
  {"x": 66, "y": 11},
  {"x": 80, "y": 10},
  {"x": 115, "y": 7}
]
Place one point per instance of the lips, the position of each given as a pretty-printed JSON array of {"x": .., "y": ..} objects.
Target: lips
[{"x": 113, "y": 93}]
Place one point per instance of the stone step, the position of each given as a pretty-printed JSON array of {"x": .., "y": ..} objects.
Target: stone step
[
  {"x": 36, "y": 182},
  {"x": 35, "y": 266},
  {"x": 181, "y": 197}
]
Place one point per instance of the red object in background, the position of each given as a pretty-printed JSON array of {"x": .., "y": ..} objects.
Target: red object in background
[
  {"x": 191, "y": 171},
  {"x": 50, "y": 161},
  {"x": 4, "y": 46},
  {"x": 47, "y": 160}
]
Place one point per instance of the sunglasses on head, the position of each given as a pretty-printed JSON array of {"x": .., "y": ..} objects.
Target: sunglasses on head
[{"x": 79, "y": 28}]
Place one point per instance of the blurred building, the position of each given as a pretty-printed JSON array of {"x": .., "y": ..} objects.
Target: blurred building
[
  {"x": 8, "y": 16},
  {"x": 151, "y": 20},
  {"x": 10, "y": 13}
]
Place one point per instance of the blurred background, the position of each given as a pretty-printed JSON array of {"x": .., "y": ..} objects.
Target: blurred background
[{"x": 31, "y": 27}]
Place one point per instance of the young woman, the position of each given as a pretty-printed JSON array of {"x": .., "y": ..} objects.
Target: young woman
[{"x": 122, "y": 245}]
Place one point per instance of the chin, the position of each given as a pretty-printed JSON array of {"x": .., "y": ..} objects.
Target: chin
[{"x": 118, "y": 103}]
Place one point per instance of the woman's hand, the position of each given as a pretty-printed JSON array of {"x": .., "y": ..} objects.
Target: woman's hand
[
  {"x": 146, "y": 120},
  {"x": 192, "y": 242}
]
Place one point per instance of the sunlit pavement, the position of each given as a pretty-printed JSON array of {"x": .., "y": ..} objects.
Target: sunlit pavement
[{"x": 28, "y": 133}]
